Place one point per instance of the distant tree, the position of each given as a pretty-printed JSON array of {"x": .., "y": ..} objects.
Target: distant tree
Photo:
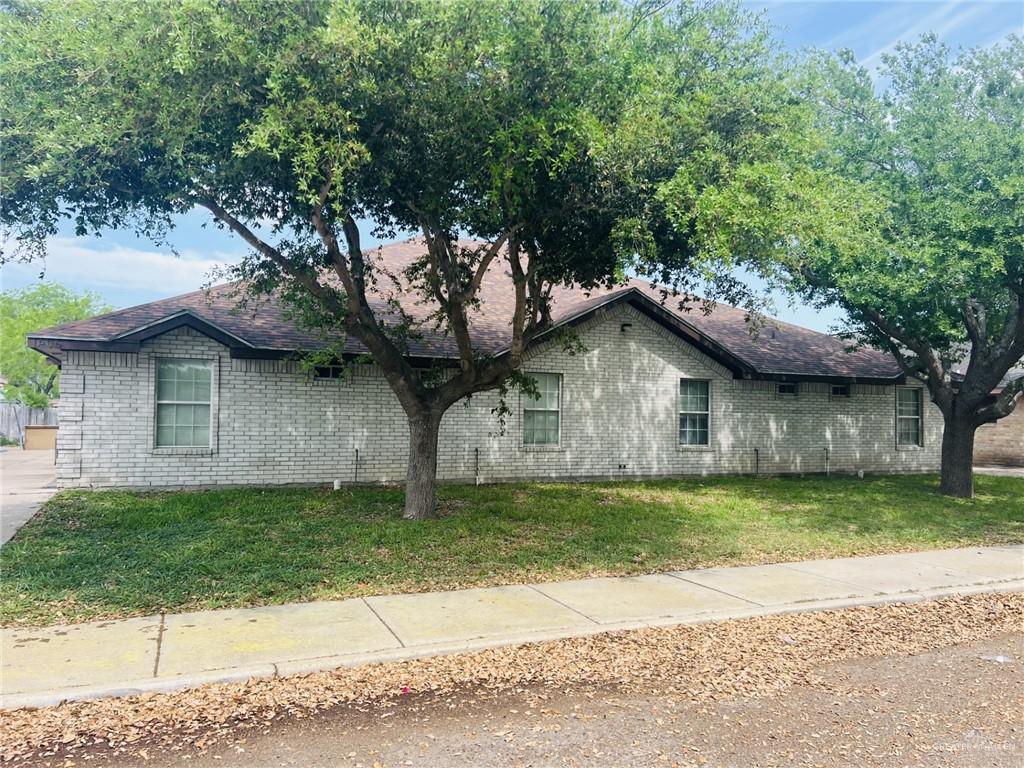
[
  {"x": 30, "y": 378},
  {"x": 905, "y": 207},
  {"x": 542, "y": 128}
]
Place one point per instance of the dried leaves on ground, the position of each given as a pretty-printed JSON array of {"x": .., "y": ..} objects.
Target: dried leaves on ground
[{"x": 749, "y": 657}]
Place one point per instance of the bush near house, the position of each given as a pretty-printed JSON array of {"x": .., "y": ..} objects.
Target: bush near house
[{"x": 93, "y": 554}]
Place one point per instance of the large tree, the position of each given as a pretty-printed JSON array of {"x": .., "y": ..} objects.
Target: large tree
[
  {"x": 901, "y": 200},
  {"x": 541, "y": 128},
  {"x": 29, "y": 377}
]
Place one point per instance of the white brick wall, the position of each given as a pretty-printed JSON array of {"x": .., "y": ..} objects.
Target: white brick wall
[{"x": 273, "y": 424}]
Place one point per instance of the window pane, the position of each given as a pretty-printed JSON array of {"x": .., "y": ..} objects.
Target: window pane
[
  {"x": 909, "y": 431},
  {"x": 547, "y": 391},
  {"x": 693, "y": 429},
  {"x": 908, "y": 402},
  {"x": 201, "y": 415},
  {"x": 183, "y": 380},
  {"x": 202, "y": 389},
  {"x": 164, "y": 435},
  {"x": 541, "y": 413},
  {"x": 693, "y": 396},
  {"x": 183, "y": 426},
  {"x": 165, "y": 389},
  {"x": 201, "y": 436},
  {"x": 540, "y": 427}
]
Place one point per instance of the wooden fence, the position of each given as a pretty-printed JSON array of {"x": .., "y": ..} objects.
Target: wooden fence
[{"x": 14, "y": 417}]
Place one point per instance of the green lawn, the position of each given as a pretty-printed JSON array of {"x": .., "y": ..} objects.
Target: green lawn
[{"x": 92, "y": 554}]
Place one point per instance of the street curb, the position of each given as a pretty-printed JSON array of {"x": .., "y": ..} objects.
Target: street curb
[{"x": 169, "y": 684}]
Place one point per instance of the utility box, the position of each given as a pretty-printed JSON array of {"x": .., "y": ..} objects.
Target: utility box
[{"x": 40, "y": 437}]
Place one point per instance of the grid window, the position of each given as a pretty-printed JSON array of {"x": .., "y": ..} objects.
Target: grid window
[
  {"x": 787, "y": 390},
  {"x": 694, "y": 412},
  {"x": 183, "y": 390},
  {"x": 840, "y": 390},
  {"x": 542, "y": 414},
  {"x": 908, "y": 416}
]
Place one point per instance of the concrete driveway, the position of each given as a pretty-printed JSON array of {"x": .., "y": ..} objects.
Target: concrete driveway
[
  {"x": 27, "y": 479},
  {"x": 1000, "y": 471}
]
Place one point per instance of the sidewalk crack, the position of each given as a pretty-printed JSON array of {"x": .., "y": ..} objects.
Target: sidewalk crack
[
  {"x": 159, "y": 644},
  {"x": 381, "y": 620},
  {"x": 715, "y": 589},
  {"x": 564, "y": 605}
]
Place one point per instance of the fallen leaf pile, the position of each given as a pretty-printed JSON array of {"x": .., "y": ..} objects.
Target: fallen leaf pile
[{"x": 749, "y": 657}]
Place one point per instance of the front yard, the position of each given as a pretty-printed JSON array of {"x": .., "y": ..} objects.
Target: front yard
[{"x": 93, "y": 554}]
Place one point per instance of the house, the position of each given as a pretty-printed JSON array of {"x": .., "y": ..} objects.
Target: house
[
  {"x": 1002, "y": 443},
  {"x": 190, "y": 391}
]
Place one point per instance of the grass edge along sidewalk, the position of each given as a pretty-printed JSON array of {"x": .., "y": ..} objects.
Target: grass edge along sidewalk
[
  {"x": 42, "y": 666},
  {"x": 110, "y": 554}
]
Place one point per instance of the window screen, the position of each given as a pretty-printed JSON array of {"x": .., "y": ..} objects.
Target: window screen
[
  {"x": 183, "y": 403},
  {"x": 694, "y": 412},
  {"x": 908, "y": 416},
  {"x": 542, "y": 415}
]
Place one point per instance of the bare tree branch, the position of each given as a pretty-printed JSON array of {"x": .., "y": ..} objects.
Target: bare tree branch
[{"x": 303, "y": 277}]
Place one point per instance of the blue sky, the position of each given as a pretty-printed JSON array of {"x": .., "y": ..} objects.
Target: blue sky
[{"x": 125, "y": 270}]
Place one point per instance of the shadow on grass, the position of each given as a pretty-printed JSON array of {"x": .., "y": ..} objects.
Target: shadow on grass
[{"x": 92, "y": 554}]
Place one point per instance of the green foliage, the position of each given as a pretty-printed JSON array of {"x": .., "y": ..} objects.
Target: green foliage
[
  {"x": 943, "y": 147},
  {"x": 31, "y": 379},
  {"x": 904, "y": 206},
  {"x": 576, "y": 122},
  {"x": 92, "y": 554}
]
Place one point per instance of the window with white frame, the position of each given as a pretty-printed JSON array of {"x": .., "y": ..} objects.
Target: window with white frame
[
  {"x": 183, "y": 395},
  {"x": 787, "y": 389},
  {"x": 840, "y": 391},
  {"x": 694, "y": 412},
  {"x": 908, "y": 416},
  {"x": 542, "y": 414}
]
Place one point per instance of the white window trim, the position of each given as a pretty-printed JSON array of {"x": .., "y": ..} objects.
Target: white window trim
[
  {"x": 166, "y": 450},
  {"x": 920, "y": 420},
  {"x": 680, "y": 445},
  {"x": 524, "y": 403}
]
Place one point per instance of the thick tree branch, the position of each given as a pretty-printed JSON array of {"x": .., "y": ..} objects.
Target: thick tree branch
[
  {"x": 975, "y": 319},
  {"x": 303, "y": 277},
  {"x": 938, "y": 376},
  {"x": 1010, "y": 347},
  {"x": 1004, "y": 404},
  {"x": 485, "y": 262}
]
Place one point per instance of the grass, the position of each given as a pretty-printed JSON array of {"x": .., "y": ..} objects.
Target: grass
[{"x": 99, "y": 554}]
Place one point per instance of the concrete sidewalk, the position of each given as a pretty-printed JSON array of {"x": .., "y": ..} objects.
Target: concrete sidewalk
[{"x": 42, "y": 667}]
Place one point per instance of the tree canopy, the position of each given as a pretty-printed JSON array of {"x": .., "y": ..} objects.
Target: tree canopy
[
  {"x": 31, "y": 378},
  {"x": 904, "y": 205},
  {"x": 549, "y": 131}
]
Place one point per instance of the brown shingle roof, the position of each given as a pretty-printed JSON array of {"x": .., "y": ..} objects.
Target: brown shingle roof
[{"x": 780, "y": 349}]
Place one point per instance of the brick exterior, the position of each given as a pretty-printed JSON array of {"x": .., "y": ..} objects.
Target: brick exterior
[
  {"x": 1001, "y": 443},
  {"x": 273, "y": 424}
]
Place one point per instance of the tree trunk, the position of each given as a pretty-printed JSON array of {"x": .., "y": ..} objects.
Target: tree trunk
[
  {"x": 421, "y": 477},
  {"x": 958, "y": 458}
]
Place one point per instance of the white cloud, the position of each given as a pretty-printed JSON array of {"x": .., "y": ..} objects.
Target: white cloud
[
  {"x": 943, "y": 21},
  {"x": 93, "y": 267}
]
